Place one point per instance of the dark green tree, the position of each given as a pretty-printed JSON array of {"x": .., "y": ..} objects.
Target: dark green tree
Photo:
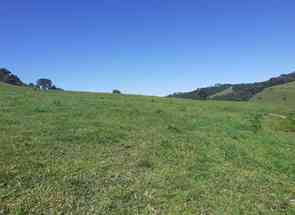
[
  {"x": 44, "y": 84},
  {"x": 116, "y": 92},
  {"x": 7, "y": 77}
]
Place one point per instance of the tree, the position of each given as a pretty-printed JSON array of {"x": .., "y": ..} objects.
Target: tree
[
  {"x": 4, "y": 74},
  {"x": 14, "y": 80},
  {"x": 7, "y": 77},
  {"x": 203, "y": 94},
  {"x": 44, "y": 84},
  {"x": 116, "y": 92}
]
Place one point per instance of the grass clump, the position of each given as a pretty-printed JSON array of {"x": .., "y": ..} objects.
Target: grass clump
[
  {"x": 41, "y": 109},
  {"x": 289, "y": 124}
]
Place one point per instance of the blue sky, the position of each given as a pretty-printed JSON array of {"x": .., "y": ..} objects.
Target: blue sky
[{"x": 150, "y": 47}]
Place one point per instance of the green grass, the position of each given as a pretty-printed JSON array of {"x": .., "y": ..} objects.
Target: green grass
[
  {"x": 283, "y": 95},
  {"x": 87, "y": 153}
]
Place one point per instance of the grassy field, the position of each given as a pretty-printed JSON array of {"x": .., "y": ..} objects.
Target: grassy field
[
  {"x": 283, "y": 95},
  {"x": 86, "y": 153}
]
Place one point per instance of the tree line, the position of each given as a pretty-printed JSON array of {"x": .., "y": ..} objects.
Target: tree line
[{"x": 43, "y": 83}]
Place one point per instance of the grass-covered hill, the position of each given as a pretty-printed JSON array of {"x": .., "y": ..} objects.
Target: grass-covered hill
[
  {"x": 235, "y": 92},
  {"x": 87, "y": 153},
  {"x": 282, "y": 94}
]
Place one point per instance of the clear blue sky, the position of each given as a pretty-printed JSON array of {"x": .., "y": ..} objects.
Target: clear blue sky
[{"x": 152, "y": 47}]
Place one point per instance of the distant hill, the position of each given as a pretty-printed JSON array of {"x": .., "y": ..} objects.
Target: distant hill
[
  {"x": 282, "y": 94},
  {"x": 235, "y": 92}
]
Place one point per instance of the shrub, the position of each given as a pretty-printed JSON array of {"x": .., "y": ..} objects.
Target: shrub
[
  {"x": 40, "y": 109},
  {"x": 145, "y": 164},
  {"x": 291, "y": 122},
  {"x": 174, "y": 128},
  {"x": 57, "y": 102},
  {"x": 159, "y": 111},
  {"x": 256, "y": 123}
]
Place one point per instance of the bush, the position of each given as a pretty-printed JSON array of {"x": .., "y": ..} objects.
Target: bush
[
  {"x": 40, "y": 109},
  {"x": 291, "y": 122},
  {"x": 256, "y": 122},
  {"x": 57, "y": 102}
]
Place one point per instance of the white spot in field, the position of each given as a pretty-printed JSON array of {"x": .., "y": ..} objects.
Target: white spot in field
[{"x": 292, "y": 202}]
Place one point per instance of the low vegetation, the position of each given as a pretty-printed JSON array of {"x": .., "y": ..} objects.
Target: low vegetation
[{"x": 87, "y": 153}]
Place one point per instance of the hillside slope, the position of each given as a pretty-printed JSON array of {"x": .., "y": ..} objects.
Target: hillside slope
[
  {"x": 235, "y": 92},
  {"x": 225, "y": 92},
  {"x": 282, "y": 94},
  {"x": 87, "y": 153}
]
